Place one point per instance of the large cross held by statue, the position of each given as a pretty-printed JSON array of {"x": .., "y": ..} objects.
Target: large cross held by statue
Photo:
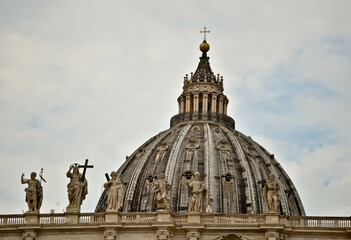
[
  {"x": 41, "y": 175},
  {"x": 85, "y": 166},
  {"x": 204, "y": 32}
]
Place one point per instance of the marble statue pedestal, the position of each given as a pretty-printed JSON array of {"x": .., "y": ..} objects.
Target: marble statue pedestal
[
  {"x": 272, "y": 218},
  {"x": 194, "y": 217},
  {"x": 72, "y": 215},
  {"x": 31, "y": 217},
  {"x": 111, "y": 216},
  {"x": 163, "y": 215}
]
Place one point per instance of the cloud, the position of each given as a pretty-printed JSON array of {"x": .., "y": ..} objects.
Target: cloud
[{"x": 96, "y": 80}]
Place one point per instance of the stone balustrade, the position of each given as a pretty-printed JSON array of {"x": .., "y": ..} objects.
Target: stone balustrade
[{"x": 180, "y": 219}]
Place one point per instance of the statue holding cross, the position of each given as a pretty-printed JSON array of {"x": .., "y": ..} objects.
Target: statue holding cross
[{"x": 77, "y": 188}]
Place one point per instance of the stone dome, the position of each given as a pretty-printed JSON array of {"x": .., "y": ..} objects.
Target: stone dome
[{"x": 202, "y": 138}]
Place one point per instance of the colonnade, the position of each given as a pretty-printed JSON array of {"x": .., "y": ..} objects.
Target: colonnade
[{"x": 203, "y": 102}]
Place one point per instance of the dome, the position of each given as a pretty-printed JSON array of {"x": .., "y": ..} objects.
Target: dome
[{"x": 202, "y": 138}]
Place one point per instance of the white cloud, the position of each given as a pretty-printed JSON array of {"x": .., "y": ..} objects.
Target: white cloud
[{"x": 96, "y": 80}]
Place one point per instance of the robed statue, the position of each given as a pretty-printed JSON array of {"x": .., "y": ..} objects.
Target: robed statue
[
  {"x": 162, "y": 192},
  {"x": 116, "y": 190},
  {"x": 197, "y": 193},
  {"x": 77, "y": 188},
  {"x": 271, "y": 194},
  {"x": 34, "y": 192}
]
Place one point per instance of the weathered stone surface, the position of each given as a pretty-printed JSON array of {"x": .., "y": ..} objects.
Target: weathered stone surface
[
  {"x": 247, "y": 162},
  {"x": 34, "y": 192}
]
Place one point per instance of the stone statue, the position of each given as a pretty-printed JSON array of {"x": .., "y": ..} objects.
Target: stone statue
[
  {"x": 116, "y": 190},
  {"x": 162, "y": 191},
  {"x": 271, "y": 194},
  {"x": 77, "y": 188},
  {"x": 197, "y": 191},
  {"x": 34, "y": 192}
]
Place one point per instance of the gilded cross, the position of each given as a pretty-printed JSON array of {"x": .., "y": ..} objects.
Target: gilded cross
[{"x": 204, "y": 32}]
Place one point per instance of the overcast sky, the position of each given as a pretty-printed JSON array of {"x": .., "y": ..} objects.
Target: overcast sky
[{"x": 96, "y": 79}]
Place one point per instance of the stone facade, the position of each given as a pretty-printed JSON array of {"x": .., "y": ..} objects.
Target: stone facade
[{"x": 136, "y": 226}]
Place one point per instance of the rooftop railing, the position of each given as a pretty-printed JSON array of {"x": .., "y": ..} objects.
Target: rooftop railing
[{"x": 180, "y": 219}]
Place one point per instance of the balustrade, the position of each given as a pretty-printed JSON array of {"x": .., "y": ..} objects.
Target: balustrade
[{"x": 182, "y": 219}]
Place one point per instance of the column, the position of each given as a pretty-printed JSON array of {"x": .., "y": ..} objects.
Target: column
[
  {"x": 187, "y": 103},
  {"x": 220, "y": 102},
  {"x": 181, "y": 104},
  {"x": 196, "y": 102},
  {"x": 214, "y": 103},
  {"x": 225, "y": 106},
  {"x": 204, "y": 102}
]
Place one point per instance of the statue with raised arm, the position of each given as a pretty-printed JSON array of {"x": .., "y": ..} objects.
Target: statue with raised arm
[
  {"x": 197, "y": 192},
  {"x": 162, "y": 191},
  {"x": 271, "y": 194},
  {"x": 34, "y": 192},
  {"x": 77, "y": 188},
  {"x": 116, "y": 190}
]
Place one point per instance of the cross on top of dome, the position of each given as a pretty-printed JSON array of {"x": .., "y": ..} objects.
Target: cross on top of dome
[{"x": 204, "y": 32}]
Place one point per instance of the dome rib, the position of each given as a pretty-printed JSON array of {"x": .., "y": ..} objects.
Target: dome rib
[{"x": 134, "y": 179}]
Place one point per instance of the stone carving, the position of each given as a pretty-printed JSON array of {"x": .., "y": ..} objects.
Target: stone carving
[
  {"x": 224, "y": 152},
  {"x": 228, "y": 186},
  {"x": 196, "y": 129},
  {"x": 34, "y": 192},
  {"x": 275, "y": 236},
  {"x": 139, "y": 153},
  {"x": 217, "y": 130},
  {"x": 191, "y": 147},
  {"x": 110, "y": 235},
  {"x": 29, "y": 236},
  {"x": 162, "y": 191},
  {"x": 161, "y": 151},
  {"x": 116, "y": 190},
  {"x": 231, "y": 237},
  {"x": 193, "y": 235},
  {"x": 164, "y": 234},
  {"x": 271, "y": 194},
  {"x": 197, "y": 193},
  {"x": 76, "y": 188}
]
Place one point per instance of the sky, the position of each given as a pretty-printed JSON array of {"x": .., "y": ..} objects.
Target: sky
[{"x": 96, "y": 79}]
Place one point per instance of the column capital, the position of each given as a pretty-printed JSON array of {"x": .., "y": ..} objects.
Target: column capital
[{"x": 193, "y": 235}]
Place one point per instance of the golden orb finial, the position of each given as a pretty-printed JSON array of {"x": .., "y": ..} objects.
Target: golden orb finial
[{"x": 204, "y": 46}]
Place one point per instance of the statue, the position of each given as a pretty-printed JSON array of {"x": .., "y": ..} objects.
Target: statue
[
  {"x": 77, "y": 188},
  {"x": 162, "y": 191},
  {"x": 115, "y": 194},
  {"x": 271, "y": 194},
  {"x": 197, "y": 190},
  {"x": 34, "y": 192}
]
